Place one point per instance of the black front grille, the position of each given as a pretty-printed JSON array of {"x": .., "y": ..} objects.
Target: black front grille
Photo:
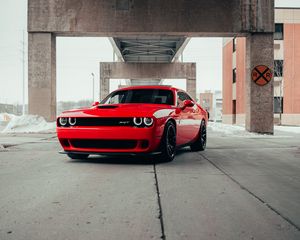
[
  {"x": 104, "y": 144},
  {"x": 104, "y": 122}
]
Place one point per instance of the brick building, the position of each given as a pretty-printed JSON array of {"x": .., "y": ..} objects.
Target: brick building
[{"x": 286, "y": 72}]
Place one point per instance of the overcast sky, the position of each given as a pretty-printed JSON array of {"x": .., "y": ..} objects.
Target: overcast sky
[{"x": 77, "y": 58}]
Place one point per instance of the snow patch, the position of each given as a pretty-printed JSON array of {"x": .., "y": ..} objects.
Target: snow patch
[
  {"x": 227, "y": 129},
  {"x": 5, "y": 117},
  {"x": 28, "y": 124},
  {"x": 290, "y": 129},
  {"x": 239, "y": 130}
]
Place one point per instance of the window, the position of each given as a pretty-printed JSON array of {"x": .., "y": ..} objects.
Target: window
[
  {"x": 234, "y": 75},
  {"x": 278, "y": 68},
  {"x": 152, "y": 96},
  {"x": 233, "y": 111},
  {"x": 278, "y": 34},
  {"x": 278, "y": 104},
  {"x": 181, "y": 96},
  {"x": 234, "y": 45}
]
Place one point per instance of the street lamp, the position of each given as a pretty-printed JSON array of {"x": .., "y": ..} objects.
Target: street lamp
[{"x": 93, "y": 75}]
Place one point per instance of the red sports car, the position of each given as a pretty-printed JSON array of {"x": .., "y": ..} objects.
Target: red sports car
[{"x": 135, "y": 120}]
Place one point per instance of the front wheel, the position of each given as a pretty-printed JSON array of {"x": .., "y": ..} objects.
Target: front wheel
[
  {"x": 77, "y": 156},
  {"x": 168, "y": 143},
  {"x": 200, "y": 143}
]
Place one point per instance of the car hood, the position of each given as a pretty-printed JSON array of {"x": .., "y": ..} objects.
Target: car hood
[{"x": 118, "y": 110}]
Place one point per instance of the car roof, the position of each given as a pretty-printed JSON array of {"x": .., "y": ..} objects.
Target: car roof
[{"x": 161, "y": 87}]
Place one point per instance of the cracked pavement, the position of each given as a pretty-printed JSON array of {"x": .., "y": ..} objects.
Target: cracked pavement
[{"x": 239, "y": 188}]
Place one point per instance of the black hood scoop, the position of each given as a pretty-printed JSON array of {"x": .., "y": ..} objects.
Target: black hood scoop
[{"x": 107, "y": 106}]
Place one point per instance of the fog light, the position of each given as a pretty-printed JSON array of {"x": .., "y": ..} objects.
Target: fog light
[
  {"x": 63, "y": 121},
  {"x": 148, "y": 121},
  {"x": 144, "y": 144},
  {"x": 64, "y": 142},
  {"x": 138, "y": 121}
]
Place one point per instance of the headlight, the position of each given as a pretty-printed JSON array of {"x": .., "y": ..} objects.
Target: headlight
[
  {"x": 138, "y": 121},
  {"x": 148, "y": 121},
  {"x": 63, "y": 121},
  {"x": 72, "y": 121}
]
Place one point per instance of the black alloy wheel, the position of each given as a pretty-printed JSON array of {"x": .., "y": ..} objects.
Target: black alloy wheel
[
  {"x": 168, "y": 144},
  {"x": 200, "y": 143}
]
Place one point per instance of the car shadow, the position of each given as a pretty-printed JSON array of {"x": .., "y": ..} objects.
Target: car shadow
[
  {"x": 134, "y": 160},
  {"x": 102, "y": 159}
]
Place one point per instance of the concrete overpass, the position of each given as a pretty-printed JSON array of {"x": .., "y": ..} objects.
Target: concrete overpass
[
  {"x": 148, "y": 60},
  {"x": 153, "y": 20}
]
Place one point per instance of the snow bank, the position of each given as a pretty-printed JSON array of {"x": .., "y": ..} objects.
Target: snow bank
[
  {"x": 290, "y": 129},
  {"x": 5, "y": 117},
  {"x": 227, "y": 129},
  {"x": 28, "y": 124},
  {"x": 239, "y": 130}
]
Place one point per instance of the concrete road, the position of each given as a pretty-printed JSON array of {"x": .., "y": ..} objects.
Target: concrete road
[{"x": 239, "y": 188}]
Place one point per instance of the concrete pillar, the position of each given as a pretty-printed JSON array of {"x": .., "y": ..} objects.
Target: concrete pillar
[
  {"x": 104, "y": 87},
  {"x": 42, "y": 75},
  {"x": 259, "y": 99},
  {"x": 104, "y": 80},
  {"x": 191, "y": 87}
]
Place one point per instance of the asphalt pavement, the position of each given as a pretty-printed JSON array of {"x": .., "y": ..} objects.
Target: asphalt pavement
[{"x": 239, "y": 188}]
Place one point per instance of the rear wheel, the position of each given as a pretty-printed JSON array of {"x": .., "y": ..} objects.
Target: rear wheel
[
  {"x": 168, "y": 143},
  {"x": 77, "y": 156},
  {"x": 200, "y": 143}
]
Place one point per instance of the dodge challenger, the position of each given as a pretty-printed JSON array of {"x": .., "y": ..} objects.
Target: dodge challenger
[{"x": 132, "y": 121}]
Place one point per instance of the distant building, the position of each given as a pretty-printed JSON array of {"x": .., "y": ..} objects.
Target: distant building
[
  {"x": 67, "y": 105},
  {"x": 206, "y": 101},
  {"x": 212, "y": 102},
  {"x": 286, "y": 72},
  {"x": 15, "y": 109},
  {"x": 218, "y": 104}
]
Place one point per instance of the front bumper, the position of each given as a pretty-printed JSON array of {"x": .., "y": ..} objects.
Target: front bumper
[
  {"x": 93, "y": 140},
  {"x": 114, "y": 153}
]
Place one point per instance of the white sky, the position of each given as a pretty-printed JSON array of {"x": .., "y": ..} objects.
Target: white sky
[{"x": 77, "y": 58}]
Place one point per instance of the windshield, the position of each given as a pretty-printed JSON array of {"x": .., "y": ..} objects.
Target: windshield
[{"x": 154, "y": 96}]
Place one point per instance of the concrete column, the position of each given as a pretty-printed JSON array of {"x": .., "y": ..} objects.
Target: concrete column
[
  {"x": 259, "y": 99},
  {"x": 191, "y": 87},
  {"x": 42, "y": 75},
  {"x": 104, "y": 80},
  {"x": 104, "y": 87}
]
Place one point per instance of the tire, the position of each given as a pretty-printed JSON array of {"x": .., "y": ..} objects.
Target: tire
[
  {"x": 77, "y": 156},
  {"x": 168, "y": 143},
  {"x": 200, "y": 143}
]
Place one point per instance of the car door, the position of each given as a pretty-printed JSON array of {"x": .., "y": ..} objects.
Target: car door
[
  {"x": 185, "y": 120},
  {"x": 196, "y": 117}
]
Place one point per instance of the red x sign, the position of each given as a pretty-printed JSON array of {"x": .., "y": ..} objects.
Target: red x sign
[{"x": 261, "y": 75}]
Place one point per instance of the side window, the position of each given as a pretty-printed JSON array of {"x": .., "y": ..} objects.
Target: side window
[
  {"x": 180, "y": 99},
  {"x": 117, "y": 98},
  {"x": 188, "y": 97},
  {"x": 181, "y": 96}
]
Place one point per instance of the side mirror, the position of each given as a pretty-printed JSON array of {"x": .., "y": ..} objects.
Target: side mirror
[
  {"x": 188, "y": 103},
  {"x": 95, "y": 103}
]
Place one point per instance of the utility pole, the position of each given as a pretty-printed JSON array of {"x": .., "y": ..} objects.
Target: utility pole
[
  {"x": 93, "y": 75},
  {"x": 23, "y": 53}
]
